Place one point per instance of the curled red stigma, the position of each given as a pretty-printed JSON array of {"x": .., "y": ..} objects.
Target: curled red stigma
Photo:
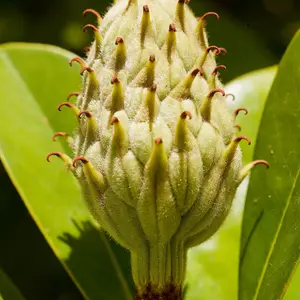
[
  {"x": 146, "y": 8},
  {"x": 186, "y": 114},
  {"x": 58, "y": 154},
  {"x": 153, "y": 88},
  {"x": 84, "y": 112},
  {"x": 89, "y": 26},
  {"x": 201, "y": 72},
  {"x": 78, "y": 60},
  {"x": 223, "y": 50},
  {"x": 158, "y": 140},
  {"x": 215, "y": 48},
  {"x": 238, "y": 127},
  {"x": 195, "y": 72},
  {"x": 152, "y": 58},
  {"x": 230, "y": 95},
  {"x": 119, "y": 40},
  {"x": 114, "y": 120},
  {"x": 92, "y": 11},
  {"x": 217, "y": 68},
  {"x": 240, "y": 138},
  {"x": 79, "y": 158},
  {"x": 114, "y": 80},
  {"x": 237, "y": 111},
  {"x": 210, "y": 13},
  {"x": 73, "y": 94},
  {"x": 68, "y": 104},
  {"x": 212, "y": 93},
  {"x": 85, "y": 68},
  {"x": 172, "y": 28},
  {"x": 261, "y": 162},
  {"x": 58, "y": 134}
]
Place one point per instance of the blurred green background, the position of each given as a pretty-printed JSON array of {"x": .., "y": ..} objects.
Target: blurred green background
[{"x": 255, "y": 33}]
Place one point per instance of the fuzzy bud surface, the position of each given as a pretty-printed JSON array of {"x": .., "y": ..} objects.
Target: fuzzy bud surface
[{"x": 156, "y": 152}]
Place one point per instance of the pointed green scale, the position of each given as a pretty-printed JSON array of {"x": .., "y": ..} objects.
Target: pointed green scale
[{"x": 161, "y": 162}]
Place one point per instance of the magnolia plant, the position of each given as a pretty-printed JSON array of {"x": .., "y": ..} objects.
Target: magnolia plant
[{"x": 156, "y": 151}]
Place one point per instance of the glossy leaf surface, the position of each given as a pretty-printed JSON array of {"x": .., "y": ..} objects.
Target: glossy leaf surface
[
  {"x": 34, "y": 80},
  {"x": 270, "y": 245}
]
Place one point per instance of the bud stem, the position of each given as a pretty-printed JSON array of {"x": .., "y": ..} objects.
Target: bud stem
[{"x": 169, "y": 293}]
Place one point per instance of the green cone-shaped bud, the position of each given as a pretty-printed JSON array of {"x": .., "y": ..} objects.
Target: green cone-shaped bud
[{"x": 155, "y": 150}]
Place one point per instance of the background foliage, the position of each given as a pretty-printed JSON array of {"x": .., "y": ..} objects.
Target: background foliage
[{"x": 258, "y": 30}]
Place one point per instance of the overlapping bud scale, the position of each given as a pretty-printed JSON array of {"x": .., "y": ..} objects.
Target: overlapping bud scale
[{"x": 156, "y": 151}]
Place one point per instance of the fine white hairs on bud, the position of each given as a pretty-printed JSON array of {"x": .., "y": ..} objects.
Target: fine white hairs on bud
[{"x": 155, "y": 151}]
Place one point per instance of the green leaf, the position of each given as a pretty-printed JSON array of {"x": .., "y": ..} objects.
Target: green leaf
[
  {"x": 213, "y": 266},
  {"x": 270, "y": 244},
  {"x": 8, "y": 291},
  {"x": 29, "y": 249},
  {"x": 33, "y": 80}
]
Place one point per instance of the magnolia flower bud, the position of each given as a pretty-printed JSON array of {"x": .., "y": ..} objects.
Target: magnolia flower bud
[{"x": 155, "y": 151}]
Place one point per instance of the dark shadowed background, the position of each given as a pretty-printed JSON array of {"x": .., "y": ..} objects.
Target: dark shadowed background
[{"x": 255, "y": 32}]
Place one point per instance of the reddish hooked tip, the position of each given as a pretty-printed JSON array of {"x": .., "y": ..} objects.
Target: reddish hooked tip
[
  {"x": 115, "y": 80},
  {"x": 84, "y": 112},
  {"x": 146, "y": 8},
  {"x": 186, "y": 114},
  {"x": 210, "y": 13},
  {"x": 152, "y": 58},
  {"x": 240, "y": 138},
  {"x": 217, "y": 68},
  {"x": 153, "y": 88},
  {"x": 68, "y": 104},
  {"x": 195, "y": 72},
  {"x": 79, "y": 158},
  {"x": 237, "y": 111},
  {"x": 172, "y": 27},
  {"x": 114, "y": 120},
  {"x": 184, "y": 1},
  {"x": 58, "y": 154},
  {"x": 158, "y": 140},
  {"x": 201, "y": 72},
  {"x": 85, "y": 68},
  {"x": 223, "y": 50},
  {"x": 55, "y": 135},
  {"x": 78, "y": 60},
  {"x": 230, "y": 95},
  {"x": 215, "y": 48},
  {"x": 212, "y": 93},
  {"x": 261, "y": 162},
  {"x": 119, "y": 40},
  {"x": 92, "y": 11},
  {"x": 89, "y": 26},
  {"x": 238, "y": 127},
  {"x": 73, "y": 94}
]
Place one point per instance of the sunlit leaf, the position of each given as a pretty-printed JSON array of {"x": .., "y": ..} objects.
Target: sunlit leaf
[
  {"x": 270, "y": 245},
  {"x": 33, "y": 80}
]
